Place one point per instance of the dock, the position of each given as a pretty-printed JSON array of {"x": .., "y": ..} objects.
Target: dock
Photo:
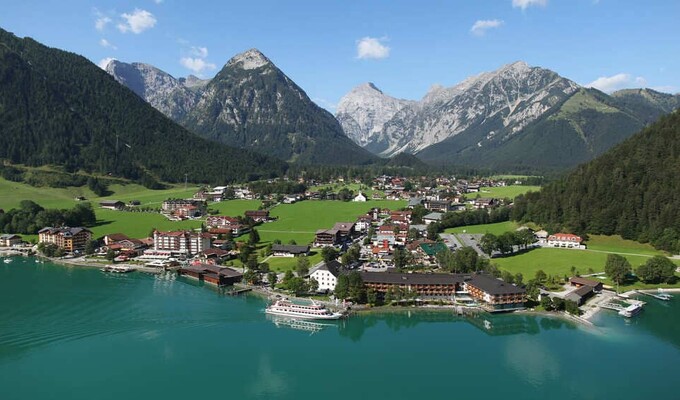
[
  {"x": 659, "y": 296},
  {"x": 627, "y": 308}
]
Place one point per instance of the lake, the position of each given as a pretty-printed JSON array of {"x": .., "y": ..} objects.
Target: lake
[{"x": 77, "y": 333}]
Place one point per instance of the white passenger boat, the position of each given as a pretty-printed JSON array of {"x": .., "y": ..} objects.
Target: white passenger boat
[{"x": 312, "y": 311}]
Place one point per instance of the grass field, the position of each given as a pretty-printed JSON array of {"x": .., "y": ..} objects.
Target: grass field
[
  {"x": 336, "y": 187},
  {"x": 283, "y": 264},
  {"x": 301, "y": 220},
  {"x": 618, "y": 245},
  {"x": 496, "y": 229},
  {"x": 502, "y": 192}
]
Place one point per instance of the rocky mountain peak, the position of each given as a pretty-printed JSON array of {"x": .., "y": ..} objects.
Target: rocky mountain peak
[{"x": 250, "y": 59}]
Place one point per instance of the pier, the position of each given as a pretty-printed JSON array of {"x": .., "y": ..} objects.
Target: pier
[
  {"x": 659, "y": 296},
  {"x": 627, "y": 308}
]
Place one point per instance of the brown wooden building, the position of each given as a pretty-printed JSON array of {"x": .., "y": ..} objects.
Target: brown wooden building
[
  {"x": 212, "y": 274},
  {"x": 423, "y": 284}
]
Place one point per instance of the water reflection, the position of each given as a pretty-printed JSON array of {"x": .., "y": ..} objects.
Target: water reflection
[{"x": 298, "y": 324}]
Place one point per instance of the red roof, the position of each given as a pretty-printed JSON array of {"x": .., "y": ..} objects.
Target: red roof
[{"x": 565, "y": 237}]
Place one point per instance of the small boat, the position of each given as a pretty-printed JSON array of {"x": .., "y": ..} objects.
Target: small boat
[
  {"x": 662, "y": 296},
  {"x": 118, "y": 269},
  {"x": 7, "y": 260},
  {"x": 313, "y": 311}
]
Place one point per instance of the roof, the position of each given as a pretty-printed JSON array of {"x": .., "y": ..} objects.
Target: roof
[
  {"x": 9, "y": 236},
  {"x": 334, "y": 267},
  {"x": 117, "y": 237},
  {"x": 565, "y": 236},
  {"x": 289, "y": 248},
  {"x": 493, "y": 286},
  {"x": 66, "y": 231},
  {"x": 583, "y": 290},
  {"x": 577, "y": 280},
  {"x": 434, "y": 216},
  {"x": 208, "y": 268},
  {"x": 395, "y": 278},
  {"x": 414, "y": 201},
  {"x": 343, "y": 226}
]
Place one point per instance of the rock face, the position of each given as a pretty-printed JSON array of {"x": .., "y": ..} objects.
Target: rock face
[
  {"x": 173, "y": 97},
  {"x": 363, "y": 112},
  {"x": 250, "y": 104},
  {"x": 493, "y": 105}
]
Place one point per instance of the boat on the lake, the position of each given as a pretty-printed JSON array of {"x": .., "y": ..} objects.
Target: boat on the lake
[{"x": 312, "y": 311}]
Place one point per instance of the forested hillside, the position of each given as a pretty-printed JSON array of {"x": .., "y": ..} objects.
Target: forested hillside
[
  {"x": 58, "y": 108},
  {"x": 632, "y": 190}
]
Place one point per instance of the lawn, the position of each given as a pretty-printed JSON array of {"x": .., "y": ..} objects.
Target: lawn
[
  {"x": 502, "y": 192},
  {"x": 235, "y": 208},
  {"x": 283, "y": 264},
  {"x": 496, "y": 229},
  {"x": 336, "y": 187},
  {"x": 134, "y": 224},
  {"x": 301, "y": 220},
  {"x": 618, "y": 245}
]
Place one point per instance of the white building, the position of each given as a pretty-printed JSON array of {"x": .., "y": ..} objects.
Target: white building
[
  {"x": 567, "y": 240},
  {"x": 181, "y": 242},
  {"x": 360, "y": 197},
  {"x": 326, "y": 274}
]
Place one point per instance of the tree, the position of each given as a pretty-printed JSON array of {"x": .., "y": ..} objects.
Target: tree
[
  {"x": 540, "y": 277},
  {"x": 297, "y": 285},
  {"x": 433, "y": 230},
  {"x": 251, "y": 277},
  {"x": 110, "y": 255},
  {"x": 488, "y": 243},
  {"x": 287, "y": 277},
  {"x": 519, "y": 278},
  {"x": 253, "y": 237},
  {"x": 571, "y": 307},
  {"x": 272, "y": 278},
  {"x": 357, "y": 289},
  {"x": 546, "y": 303},
  {"x": 371, "y": 296},
  {"x": 617, "y": 268},
  {"x": 292, "y": 242},
  {"x": 263, "y": 267},
  {"x": 342, "y": 287},
  {"x": 329, "y": 254},
  {"x": 507, "y": 277},
  {"x": 252, "y": 263},
  {"x": 657, "y": 269},
  {"x": 401, "y": 257},
  {"x": 244, "y": 253},
  {"x": 313, "y": 285},
  {"x": 268, "y": 249},
  {"x": 90, "y": 247},
  {"x": 302, "y": 267},
  {"x": 465, "y": 260}
]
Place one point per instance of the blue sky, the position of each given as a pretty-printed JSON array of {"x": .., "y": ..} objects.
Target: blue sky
[{"x": 404, "y": 47}]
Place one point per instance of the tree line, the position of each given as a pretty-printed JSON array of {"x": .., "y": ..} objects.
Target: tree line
[{"x": 30, "y": 217}]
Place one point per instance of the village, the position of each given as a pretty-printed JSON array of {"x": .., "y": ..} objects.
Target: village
[{"x": 400, "y": 255}]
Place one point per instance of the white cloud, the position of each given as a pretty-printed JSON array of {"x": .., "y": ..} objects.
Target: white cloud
[
  {"x": 200, "y": 52},
  {"x": 101, "y": 22},
  {"x": 105, "y": 43},
  {"x": 480, "y": 27},
  {"x": 104, "y": 62},
  {"x": 523, "y": 4},
  {"x": 158, "y": 1},
  {"x": 137, "y": 22},
  {"x": 612, "y": 83},
  {"x": 197, "y": 65},
  {"x": 369, "y": 47}
]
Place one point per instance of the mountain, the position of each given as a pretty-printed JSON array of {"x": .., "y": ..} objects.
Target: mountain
[
  {"x": 363, "y": 111},
  {"x": 173, "y": 97},
  {"x": 632, "y": 190},
  {"x": 518, "y": 117},
  {"x": 59, "y": 108},
  {"x": 249, "y": 104},
  {"x": 252, "y": 104}
]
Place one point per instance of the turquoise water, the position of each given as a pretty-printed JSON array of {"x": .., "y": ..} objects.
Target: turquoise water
[{"x": 73, "y": 333}]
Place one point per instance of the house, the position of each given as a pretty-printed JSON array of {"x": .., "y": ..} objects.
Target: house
[
  {"x": 541, "y": 236},
  {"x": 438, "y": 205},
  {"x": 363, "y": 223},
  {"x": 290, "y": 199},
  {"x": 580, "y": 282},
  {"x": 326, "y": 237},
  {"x": 214, "y": 256},
  {"x": 360, "y": 197},
  {"x": 432, "y": 218},
  {"x": 401, "y": 217},
  {"x": 9, "y": 240},
  {"x": 69, "y": 239},
  {"x": 326, "y": 275},
  {"x": 288, "y": 250},
  {"x": 112, "y": 204},
  {"x": 414, "y": 201},
  {"x": 211, "y": 274},
  {"x": 258, "y": 215},
  {"x": 226, "y": 223},
  {"x": 495, "y": 294},
  {"x": 114, "y": 238},
  {"x": 567, "y": 240},
  {"x": 345, "y": 230},
  {"x": 580, "y": 295},
  {"x": 184, "y": 208},
  {"x": 181, "y": 242},
  {"x": 483, "y": 203}
]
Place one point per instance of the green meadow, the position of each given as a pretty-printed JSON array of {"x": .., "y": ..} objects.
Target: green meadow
[
  {"x": 495, "y": 229},
  {"x": 502, "y": 192}
]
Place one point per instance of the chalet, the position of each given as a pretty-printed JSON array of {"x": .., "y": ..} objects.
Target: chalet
[
  {"x": 431, "y": 285},
  {"x": 184, "y": 208},
  {"x": 9, "y": 240},
  {"x": 345, "y": 230},
  {"x": 483, "y": 203},
  {"x": 181, "y": 242},
  {"x": 360, "y": 197},
  {"x": 69, "y": 239},
  {"x": 258, "y": 215},
  {"x": 288, "y": 250},
  {"x": 212, "y": 274},
  {"x": 541, "y": 236},
  {"x": 114, "y": 238},
  {"x": 580, "y": 282},
  {"x": 214, "y": 256},
  {"x": 112, "y": 204},
  {"x": 414, "y": 201},
  {"x": 326, "y": 275},
  {"x": 326, "y": 237},
  {"x": 432, "y": 218},
  {"x": 566, "y": 240},
  {"x": 363, "y": 223},
  {"x": 495, "y": 294},
  {"x": 438, "y": 205},
  {"x": 226, "y": 223}
]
